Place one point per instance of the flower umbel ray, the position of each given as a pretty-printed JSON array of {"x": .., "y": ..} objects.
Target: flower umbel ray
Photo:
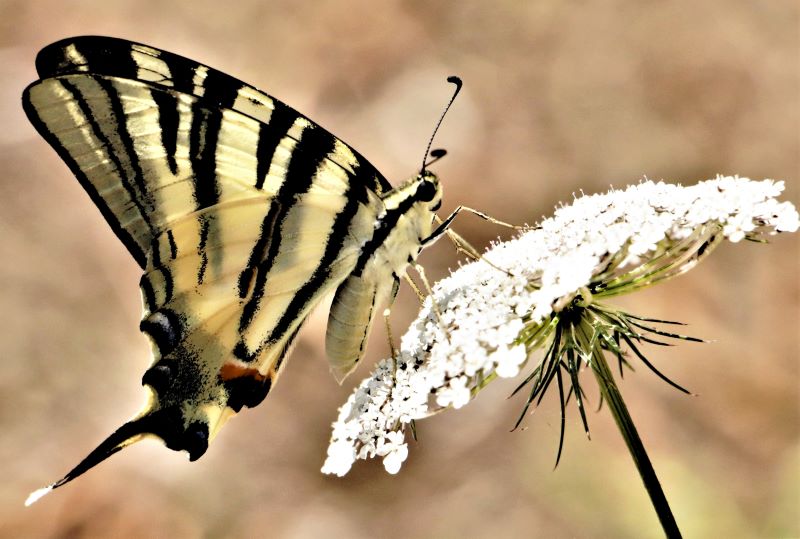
[{"x": 481, "y": 323}]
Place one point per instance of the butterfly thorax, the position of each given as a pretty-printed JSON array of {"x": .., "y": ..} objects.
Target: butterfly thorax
[{"x": 405, "y": 223}]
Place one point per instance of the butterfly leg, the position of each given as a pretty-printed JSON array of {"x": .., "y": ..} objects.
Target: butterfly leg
[
  {"x": 441, "y": 229},
  {"x": 444, "y": 226},
  {"x": 420, "y": 294},
  {"x": 387, "y": 313},
  {"x": 434, "y": 307},
  {"x": 487, "y": 217},
  {"x": 461, "y": 244},
  {"x": 414, "y": 287}
]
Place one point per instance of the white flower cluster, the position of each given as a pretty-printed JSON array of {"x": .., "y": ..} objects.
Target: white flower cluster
[{"x": 449, "y": 351}]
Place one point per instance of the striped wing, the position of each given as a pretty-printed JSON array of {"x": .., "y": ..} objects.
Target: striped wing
[
  {"x": 181, "y": 147},
  {"x": 241, "y": 211}
]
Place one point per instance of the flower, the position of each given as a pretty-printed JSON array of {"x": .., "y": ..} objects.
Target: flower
[{"x": 543, "y": 289}]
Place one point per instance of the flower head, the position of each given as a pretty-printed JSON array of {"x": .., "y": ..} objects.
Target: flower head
[{"x": 542, "y": 289}]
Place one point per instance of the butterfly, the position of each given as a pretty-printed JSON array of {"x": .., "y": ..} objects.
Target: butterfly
[{"x": 242, "y": 214}]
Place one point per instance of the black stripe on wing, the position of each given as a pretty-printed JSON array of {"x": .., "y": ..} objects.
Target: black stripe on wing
[
  {"x": 309, "y": 291},
  {"x": 269, "y": 137},
  {"x": 132, "y": 174},
  {"x": 315, "y": 144},
  {"x": 168, "y": 120},
  {"x": 133, "y": 246},
  {"x": 203, "y": 139},
  {"x": 299, "y": 173}
]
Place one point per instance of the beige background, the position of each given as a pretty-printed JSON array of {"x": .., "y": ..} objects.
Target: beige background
[{"x": 558, "y": 97}]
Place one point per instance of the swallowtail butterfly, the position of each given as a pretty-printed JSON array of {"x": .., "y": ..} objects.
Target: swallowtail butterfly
[{"x": 242, "y": 214}]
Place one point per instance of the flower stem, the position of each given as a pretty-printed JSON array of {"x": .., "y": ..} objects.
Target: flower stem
[{"x": 616, "y": 404}]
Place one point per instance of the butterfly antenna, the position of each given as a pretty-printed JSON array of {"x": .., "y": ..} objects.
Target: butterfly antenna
[{"x": 438, "y": 154}]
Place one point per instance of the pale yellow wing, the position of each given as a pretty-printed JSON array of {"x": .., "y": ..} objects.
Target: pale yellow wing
[{"x": 241, "y": 211}]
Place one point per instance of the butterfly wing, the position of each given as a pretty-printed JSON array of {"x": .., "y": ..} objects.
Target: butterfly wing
[{"x": 241, "y": 211}]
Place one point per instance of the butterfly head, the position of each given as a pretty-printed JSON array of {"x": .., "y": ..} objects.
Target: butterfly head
[{"x": 428, "y": 190}]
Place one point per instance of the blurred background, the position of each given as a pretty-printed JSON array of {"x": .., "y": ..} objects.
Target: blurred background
[{"x": 558, "y": 97}]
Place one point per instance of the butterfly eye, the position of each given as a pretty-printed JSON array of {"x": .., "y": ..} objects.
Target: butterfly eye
[{"x": 426, "y": 191}]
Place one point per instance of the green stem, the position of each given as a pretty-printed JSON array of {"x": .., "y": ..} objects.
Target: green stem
[{"x": 616, "y": 404}]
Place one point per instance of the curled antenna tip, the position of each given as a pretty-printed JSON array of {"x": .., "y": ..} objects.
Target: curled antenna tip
[
  {"x": 436, "y": 154},
  {"x": 37, "y": 494},
  {"x": 457, "y": 81}
]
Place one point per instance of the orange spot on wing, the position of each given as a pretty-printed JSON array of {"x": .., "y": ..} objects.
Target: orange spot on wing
[{"x": 229, "y": 371}]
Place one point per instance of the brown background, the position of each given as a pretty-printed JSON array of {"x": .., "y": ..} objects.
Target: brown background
[{"x": 558, "y": 97}]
